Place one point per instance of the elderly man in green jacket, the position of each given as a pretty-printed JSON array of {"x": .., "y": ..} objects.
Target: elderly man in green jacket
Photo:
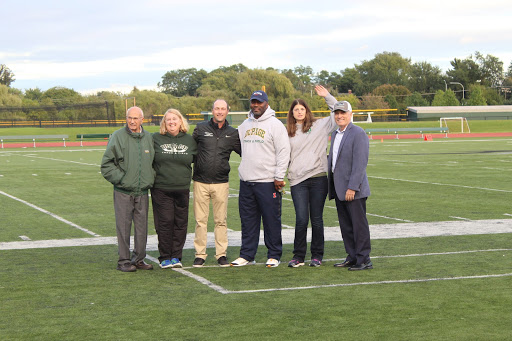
[{"x": 127, "y": 164}]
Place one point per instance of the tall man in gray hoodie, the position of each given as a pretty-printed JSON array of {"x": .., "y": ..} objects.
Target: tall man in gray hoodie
[{"x": 265, "y": 158}]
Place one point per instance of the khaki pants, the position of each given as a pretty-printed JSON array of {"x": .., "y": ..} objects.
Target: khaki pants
[{"x": 218, "y": 194}]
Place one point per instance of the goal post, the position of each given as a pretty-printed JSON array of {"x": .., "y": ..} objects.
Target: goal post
[{"x": 455, "y": 124}]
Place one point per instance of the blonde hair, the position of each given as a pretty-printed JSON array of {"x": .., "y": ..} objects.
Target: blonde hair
[{"x": 184, "y": 124}]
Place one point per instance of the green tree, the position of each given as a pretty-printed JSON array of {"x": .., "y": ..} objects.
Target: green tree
[
  {"x": 8, "y": 99},
  {"x": 373, "y": 102},
  {"x": 60, "y": 94},
  {"x": 34, "y": 94},
  {"x": 491, "y": 68},
  {"x": 445, "y": 98},
  {"x": 465, "y": 71},
  {"x": 424, "y": 78},
  {"x": 6, "y": 75},
  {"x": 350, "y": 80},
  {"x": 416, "y": 100},
  {"x": 476, "y": 95},
  {"x": 391, "y": 89},
  {"x": 182, "y": 82},
  {"x": 278, "y": 87},
  {"x": 391, "y": 101},
  {"x": 385, "y": 68}
]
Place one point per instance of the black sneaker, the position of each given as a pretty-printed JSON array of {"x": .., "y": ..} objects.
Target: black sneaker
[
  {"x": 223, "y": 262},
  {"x": 198, "y": 262}
]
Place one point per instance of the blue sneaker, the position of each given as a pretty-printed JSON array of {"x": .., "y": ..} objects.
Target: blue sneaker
[
  {"x": 175, "y": 263},
  {"x": 166, "y": 264}
]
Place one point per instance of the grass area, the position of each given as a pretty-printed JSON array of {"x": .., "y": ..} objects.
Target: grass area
[{"x": 74, "y": 293}]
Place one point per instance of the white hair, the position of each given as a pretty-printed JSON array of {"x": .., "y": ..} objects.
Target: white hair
[{"x": 141, "y": 112}]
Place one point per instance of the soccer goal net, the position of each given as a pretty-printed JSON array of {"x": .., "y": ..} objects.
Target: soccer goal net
[{"x": 455, "y": 124}]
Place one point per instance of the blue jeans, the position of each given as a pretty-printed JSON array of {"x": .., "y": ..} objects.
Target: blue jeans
[{"x": 309, "y": 199}]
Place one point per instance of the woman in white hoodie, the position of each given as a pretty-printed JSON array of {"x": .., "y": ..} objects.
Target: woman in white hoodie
[{"x": 307, "y": 174}]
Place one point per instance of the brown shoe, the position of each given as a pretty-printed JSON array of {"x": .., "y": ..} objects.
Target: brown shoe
[
  {"x": 126, "y": 267},
  {"x": 143, "y": 266}
]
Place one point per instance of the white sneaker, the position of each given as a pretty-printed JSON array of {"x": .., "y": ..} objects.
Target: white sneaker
[
  {"x": 241, "y": 262},
  {"x": 272, "y": 263}
]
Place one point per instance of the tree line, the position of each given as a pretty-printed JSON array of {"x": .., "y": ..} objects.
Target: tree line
[{"x": 386, "y": 81}]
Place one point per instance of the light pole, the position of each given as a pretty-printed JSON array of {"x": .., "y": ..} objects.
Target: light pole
[{"x": 460, "y": 85}]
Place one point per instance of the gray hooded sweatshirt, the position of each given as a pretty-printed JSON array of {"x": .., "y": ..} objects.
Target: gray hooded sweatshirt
[
  {"x": 309, "y": 150},
  {"x": 265, "y": 148}
]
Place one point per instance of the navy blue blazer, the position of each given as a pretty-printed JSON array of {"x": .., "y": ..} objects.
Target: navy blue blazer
[{"x": 350, "y": 168}]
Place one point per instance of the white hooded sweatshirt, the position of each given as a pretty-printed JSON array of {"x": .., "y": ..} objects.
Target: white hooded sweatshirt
[{"x": 265, "y": 148}]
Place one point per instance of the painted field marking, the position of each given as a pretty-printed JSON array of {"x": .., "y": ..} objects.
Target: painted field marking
[
  {"x": 53, "y": 215},
  {"x": 52, "y": 159},
  {"x": 200, "y": 279},
  {"x": 223, "y": 290},
  {"x": 440, "y": 184},
  {"x": 380, "y": 216},
  {"x": 508, "y": 214},
  {"x": 373, "y": 215},
  {"x": 369, "y": 283},
  {"x": 25, "y": 238},
  {"x": 459, "y": 218}
]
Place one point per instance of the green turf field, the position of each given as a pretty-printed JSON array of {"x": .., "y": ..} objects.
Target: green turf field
[{"x": 431, "y": 288}]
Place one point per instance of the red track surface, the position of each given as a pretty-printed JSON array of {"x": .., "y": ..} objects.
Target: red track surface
[
  {"x": 373, "y": 137},
  {"x": 55, "y": 144}
]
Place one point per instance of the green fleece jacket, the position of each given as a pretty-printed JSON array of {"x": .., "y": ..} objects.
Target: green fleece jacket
[
  {"x": 174, "y": 156},
  {"x": 127, "y": 161}
]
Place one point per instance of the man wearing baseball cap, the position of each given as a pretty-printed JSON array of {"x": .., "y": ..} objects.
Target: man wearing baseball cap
[
  {"x": 265, "y": 158},
  {"x": 348, "y": 186}
]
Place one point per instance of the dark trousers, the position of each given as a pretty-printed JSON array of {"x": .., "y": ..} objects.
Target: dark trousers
[
  {"x": 170, "y": 211},
  {"x": 309, "y": 199},
  {"x": 354, "y": 229},
  {"x": 130, "y": 209},
  {"x": 259, "y": 201}
]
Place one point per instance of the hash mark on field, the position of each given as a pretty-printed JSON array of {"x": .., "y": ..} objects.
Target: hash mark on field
[
  {"x": 510, "y": 215},
  {"x": 51, "y": 214},
  {"x": 459, "y": 218},
  {"x": 25, "y": 238}
]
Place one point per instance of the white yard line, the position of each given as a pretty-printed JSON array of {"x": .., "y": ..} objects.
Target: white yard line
[
  {"x": 406, "y": 281},
  {"x": 441, "y": 184},
  {"x": 52, "y": 159},
  {"x": 53, "y": 215},
  {"x": 380, "y": 216}
]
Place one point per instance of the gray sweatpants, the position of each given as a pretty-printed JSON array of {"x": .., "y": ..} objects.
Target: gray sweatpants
[{"x": 127, "y": 209}]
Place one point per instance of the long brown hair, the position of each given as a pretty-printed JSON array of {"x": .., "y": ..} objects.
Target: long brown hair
[{"x": 291, "y": 122}]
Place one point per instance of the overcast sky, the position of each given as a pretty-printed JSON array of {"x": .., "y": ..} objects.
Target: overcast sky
[{"x": 115, "y": 45}]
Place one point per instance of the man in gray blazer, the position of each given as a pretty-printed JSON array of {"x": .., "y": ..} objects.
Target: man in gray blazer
[{"x": 348, "y": 186}]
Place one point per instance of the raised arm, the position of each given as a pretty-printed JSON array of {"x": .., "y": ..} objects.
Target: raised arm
[{"x": 329, "y": 99}]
